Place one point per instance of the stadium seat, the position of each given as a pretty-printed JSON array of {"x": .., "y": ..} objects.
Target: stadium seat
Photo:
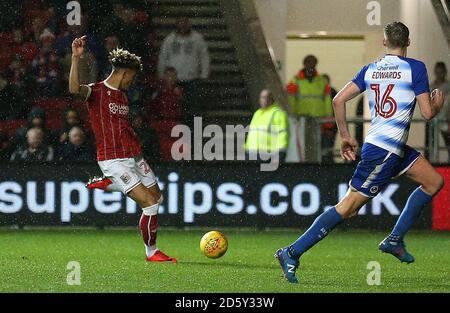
[
  {"x": 5, "y": 60},
  {"x": 10, "y": 127},
  {"x": 27, "y": 52},
  {"x": 6, "y": 39},
  {"x": 163, "y": 127},
  {"x": 45, "y": 15},
  {"x": 81, "y": 108},
  {"x": 141, "y": 17},
  {"x": 54, "y": 109}
]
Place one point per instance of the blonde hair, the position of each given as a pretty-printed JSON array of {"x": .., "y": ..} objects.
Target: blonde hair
[
  {"x": 121, "y": 58},
  {"x": 35, "y": 131}
]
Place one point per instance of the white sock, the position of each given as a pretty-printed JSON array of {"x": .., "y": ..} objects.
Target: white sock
[
  {"x": 150, "y": 251},
  {"x": 151, "y": 210}
]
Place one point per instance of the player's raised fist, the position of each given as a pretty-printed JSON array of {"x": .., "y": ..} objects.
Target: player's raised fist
[
  {"x": 349, "y": 147},
  {"x": 78, "y": 46}
]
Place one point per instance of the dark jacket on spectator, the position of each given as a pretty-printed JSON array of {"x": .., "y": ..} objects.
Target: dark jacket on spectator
[
  {"x": 7, "y": 96},
  {"x": 43, "y": 154},
  {"x": 56, "y": 135},
  {"x": 146, "y": 134},
  {"x": 150, "y": 143},
  {"x": 5, "y": 147},
  {"x": 73, "y": 153},
  {"x": 20, "y": 137}
]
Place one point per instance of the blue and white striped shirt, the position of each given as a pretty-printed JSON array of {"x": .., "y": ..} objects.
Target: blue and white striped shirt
[{"x": 392, "y": 84}]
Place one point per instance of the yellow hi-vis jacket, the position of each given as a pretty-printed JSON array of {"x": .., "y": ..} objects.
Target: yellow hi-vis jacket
[
  {"x": 268, "y": 131},
  {"x": 310, "y": 98}
]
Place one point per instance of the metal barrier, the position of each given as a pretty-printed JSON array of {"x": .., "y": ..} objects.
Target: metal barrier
[{"x": 431, "y": 147}]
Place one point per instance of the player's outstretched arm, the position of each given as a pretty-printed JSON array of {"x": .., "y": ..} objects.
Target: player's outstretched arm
[
  {"x": 430, "y": 105},
  {"x": 349, "y": 145},
  {"x": 74, "y": 83}
]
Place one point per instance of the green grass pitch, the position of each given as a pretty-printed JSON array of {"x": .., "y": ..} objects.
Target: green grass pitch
[{"x": 112, "y": 260}]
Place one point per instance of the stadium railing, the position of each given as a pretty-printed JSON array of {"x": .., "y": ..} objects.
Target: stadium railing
[{"x": 434, "y": 146}]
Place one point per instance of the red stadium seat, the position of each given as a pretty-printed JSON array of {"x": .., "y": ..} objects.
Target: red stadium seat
[
  {"x": 54, "y": 109},
  {"x": 10, "y": 127},
  {"x": 27, "y": 51},
  {"x": 81, "y": 108},
  {"x": 5, "y": 60},
  {"x": 54, "y": 120},
  {"x": 6, "y": 39},
  {"x": 164, "y": 127},
  {"x": 44, "y": 15},
  {"x": 52, "y": 104},
  {"x": 141, "y": 17}
]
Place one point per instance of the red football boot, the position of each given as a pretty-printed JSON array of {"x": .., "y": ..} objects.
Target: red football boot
[
  {"x": 160, "y": 257},
  {"x": 98, "y": 182}
]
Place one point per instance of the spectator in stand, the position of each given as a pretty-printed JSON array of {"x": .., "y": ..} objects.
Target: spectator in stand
[
  {"x": 25, "y": 51},
  {"x": 12, "y": 102},
  {"x": 187, "y": 52},
  {"x": 130, "y": 31},
  {"x": 35, "y": 150},
  {"x": 5, "y": 147},
  {"x": 147, "y": 135},
  {"x": 46, "y": 67},
  {"x": 111, "y": 43},
  {"x": 268, "y": 133},
  {"x": 111, "y": 22},
  {"x": 77, "y": 149},
  {"x": 167, "y": 97},
  {"x": 16, "y": 73},
  {"x": 36, "y": 29},
  {"x": 71, "y": 118},
  {"x": 124, "y": 23},
  {"x": 36, "y": 119},
  {"x": 309, "y": 97},
  {"x": 44, "y": 10},
  {"x": 308, "y": 92},
  {"x": 13, "y": 92}
]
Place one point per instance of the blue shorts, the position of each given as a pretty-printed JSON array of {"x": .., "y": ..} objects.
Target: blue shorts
[{"x": 378, "y": 166}]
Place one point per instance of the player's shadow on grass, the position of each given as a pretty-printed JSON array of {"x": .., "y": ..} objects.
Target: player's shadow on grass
[{"x": 230, "y": 264}]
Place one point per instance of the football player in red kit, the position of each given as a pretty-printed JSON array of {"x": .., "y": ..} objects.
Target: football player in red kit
[{"x": 118, "y": 149}]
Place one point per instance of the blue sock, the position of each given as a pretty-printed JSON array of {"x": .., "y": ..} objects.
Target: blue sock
[
  {"x": 416, "y": 201},
  {"x": 323, "y": 224}
]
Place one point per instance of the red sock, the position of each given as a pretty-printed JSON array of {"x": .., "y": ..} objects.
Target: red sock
[{"x": 149, "y": 229}]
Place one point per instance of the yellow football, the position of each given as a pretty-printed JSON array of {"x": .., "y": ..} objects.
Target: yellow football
[{"x": 214, "y": 244}]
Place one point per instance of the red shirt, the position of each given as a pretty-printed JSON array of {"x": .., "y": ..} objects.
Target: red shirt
[{"x": 108, "y": 113}]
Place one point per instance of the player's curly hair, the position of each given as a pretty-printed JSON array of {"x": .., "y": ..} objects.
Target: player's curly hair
[{"x": 121, "y": 58}]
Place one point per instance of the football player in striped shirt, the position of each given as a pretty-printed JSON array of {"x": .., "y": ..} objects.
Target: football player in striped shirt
[
  {"x": 119, "y": 152},
  {"x": 394, "y": 84}
]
